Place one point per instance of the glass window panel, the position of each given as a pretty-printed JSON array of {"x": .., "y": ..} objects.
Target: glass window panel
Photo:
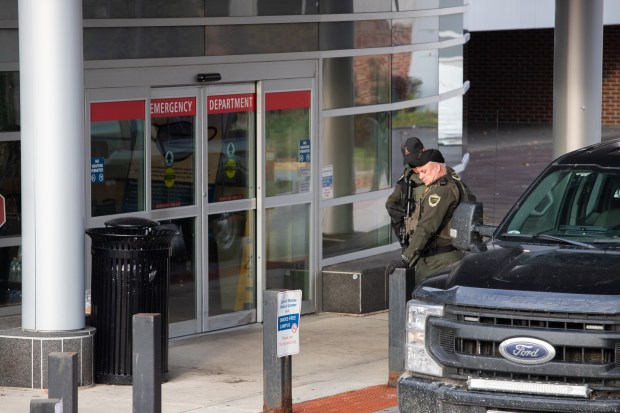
[
  {"x": 173, "y": 152},
  {"x": 225, "y": 8},
  {"x": 415, "y": 31},
  {"x": 182, "y": 288},
  {"x": 354, "y": 6},
  {"x": 10, "y": 187},
  {"x": 231, "y": 145},
  {"x": 355, "y": 35},
  {"x": 404, "y": 5},
  {"x": 260, "y": 38},
  {"x": 120, "y": 9},
  {"x": 450, "y": 3},
  {"x": 9, "y": 44},
  {"x": 357, "y": 148},
  {"x": 9, "y": 101},
  {"x": 450, "y": 121},
  {"x": 356, "y": 81},
  {"x": 450, "y": 68},
  {"x": 142, "y": 42},
  {"x": 414, "y": 75},
  {"x": 117, "y": 158},
  {"x": 10, "y": 276},
  {"x": 355, "y": 227},
  {"x": 8, "y": 11},
  {"x": 288, "y": 248},
  {"x": 231, "y": 262},
  {"x": 287, "y": 139},
  {"x": 450, "y": 26}
]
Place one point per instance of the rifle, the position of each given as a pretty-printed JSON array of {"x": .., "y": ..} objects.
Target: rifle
[{"x": 409, "y": 202}]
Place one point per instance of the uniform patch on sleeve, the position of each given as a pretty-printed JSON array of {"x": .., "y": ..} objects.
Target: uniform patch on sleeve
[{"x": 433, "y": 200}]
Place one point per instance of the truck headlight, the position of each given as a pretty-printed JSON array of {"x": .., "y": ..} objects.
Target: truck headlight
[{"x": 418, "y": 359}]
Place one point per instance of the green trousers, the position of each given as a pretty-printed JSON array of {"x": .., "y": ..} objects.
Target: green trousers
[{"x": 428, "y": 265}]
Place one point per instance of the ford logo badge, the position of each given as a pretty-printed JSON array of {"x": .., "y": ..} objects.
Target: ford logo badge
[{"x": 527, "y": 350}]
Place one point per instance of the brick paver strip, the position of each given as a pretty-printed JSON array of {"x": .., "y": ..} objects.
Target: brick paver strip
[{"x": 368, "y": 400}]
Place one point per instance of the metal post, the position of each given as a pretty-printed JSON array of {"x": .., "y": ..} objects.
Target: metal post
[
  {"x": 277, "y": 377},
  {"x": 146, "y": 363},
  {"x": 400, "y": 288},
  {"x": 46, "y": 406},
  {"x": 62, "y": 379}
]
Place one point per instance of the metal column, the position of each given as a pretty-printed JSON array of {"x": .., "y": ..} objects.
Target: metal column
[
  {"x": 52, "y": 153},
  {"x": 577, "y": 74}
]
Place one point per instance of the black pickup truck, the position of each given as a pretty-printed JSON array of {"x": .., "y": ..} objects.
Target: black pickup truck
[{"x": 529, "y": 320}]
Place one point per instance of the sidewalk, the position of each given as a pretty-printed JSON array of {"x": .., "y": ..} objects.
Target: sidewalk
[{"x": 222, "y": 372}]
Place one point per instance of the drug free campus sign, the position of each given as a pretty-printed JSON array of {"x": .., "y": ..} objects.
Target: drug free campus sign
[{"x": 289, "y": 308}]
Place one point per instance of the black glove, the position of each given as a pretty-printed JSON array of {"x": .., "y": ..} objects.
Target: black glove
[{"x": 393, "y": 265}]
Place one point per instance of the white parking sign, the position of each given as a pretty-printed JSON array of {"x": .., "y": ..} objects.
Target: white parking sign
[{"x": 289, "y": 309}]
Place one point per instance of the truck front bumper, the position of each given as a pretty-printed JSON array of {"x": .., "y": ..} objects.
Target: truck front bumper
[{"x": 425, "y": 396}]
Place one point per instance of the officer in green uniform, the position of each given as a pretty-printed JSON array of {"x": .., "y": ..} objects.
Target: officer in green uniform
[
  {"x": 430, "y": 246},
  {"x": 401, "y": 203}
]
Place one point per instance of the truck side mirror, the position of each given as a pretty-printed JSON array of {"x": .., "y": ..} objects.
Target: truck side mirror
[{"x": 467, "y": 228}]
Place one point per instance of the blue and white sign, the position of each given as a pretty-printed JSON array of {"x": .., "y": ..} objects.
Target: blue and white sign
[
  {"x": 304, "y": 150},
  {"x": 289, "y": 309},
  {"x": 96, "y": 170}
]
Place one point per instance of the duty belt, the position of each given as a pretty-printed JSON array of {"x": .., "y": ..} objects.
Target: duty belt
[{"x": 439, "y": 250}]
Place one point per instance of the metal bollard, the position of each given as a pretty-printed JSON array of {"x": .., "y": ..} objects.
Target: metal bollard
[
  {"x": 146, "y": 363},
  {"x": 277, "y": 377},
  {"x": 401, "y": 283},
  {"x": 62, "y": 379},
  {"x": 46, "y": 406}
]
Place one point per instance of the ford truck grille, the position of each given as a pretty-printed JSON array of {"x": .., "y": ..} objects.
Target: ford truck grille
[{"x": 587, "y": 347}]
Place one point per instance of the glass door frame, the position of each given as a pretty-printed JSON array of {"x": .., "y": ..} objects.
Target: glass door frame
[
  {"x": 242, "y": 317},
  {"x": 191, "y": 326},
  {"x": 307, "y": 198}
]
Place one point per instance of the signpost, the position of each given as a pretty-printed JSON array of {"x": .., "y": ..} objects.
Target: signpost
[
  {"x": 2, "y": 211},
  {"x": 289, "y": 308}
]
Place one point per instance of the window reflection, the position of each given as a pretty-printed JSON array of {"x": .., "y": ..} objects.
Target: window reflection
[
  {"x": 414, "y": 75},
  {"x": 356, "y": 81},
  {"x": 257, "y": 38},
  {"x": 367, "y": 225},
  {"x": 10, "y": 276},
  {"x": 117, "y": 157},
  {"x": 9, "y": 101},
  {"x": 231, "y": 262},
  {"x": 403, "y": 5},
  {"x": 358, "y": 149},
  {"x": 182, "y": 290},
  {"x": 288, "y": 144},
  {"x": 355, "y": 35},
  {"x": 288, "y": 253},
  {"x": 10, "y": 187},
  {"x": 172, "y": 153},
  {"x": 142, "y": 42},
  {"x": 450, "y": 26},
  {"x": 354, "y": 6},
  {"x": 10, "y": 45},
  {"x": 415, "y": 31},
  {"x": 120, "y": 9}
]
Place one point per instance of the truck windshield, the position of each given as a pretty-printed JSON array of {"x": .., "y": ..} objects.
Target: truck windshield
[{"x": 578, "y": 207}]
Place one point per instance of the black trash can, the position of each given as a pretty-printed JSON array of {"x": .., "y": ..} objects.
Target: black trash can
[{"x": 130, "y": 275}]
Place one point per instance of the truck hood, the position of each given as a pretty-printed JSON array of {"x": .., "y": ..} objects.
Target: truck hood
[{"x": 516, "y": 266}]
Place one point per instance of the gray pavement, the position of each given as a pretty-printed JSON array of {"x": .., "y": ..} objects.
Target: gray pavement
[{"x": 222, "y": 372}]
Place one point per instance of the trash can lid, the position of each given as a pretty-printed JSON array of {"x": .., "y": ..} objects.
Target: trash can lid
[{"x": 131, "y": 222}]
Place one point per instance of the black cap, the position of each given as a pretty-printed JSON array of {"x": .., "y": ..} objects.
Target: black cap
[
  {"x": 426, "y": 156},
  {"x": 411, "y": 149}
]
